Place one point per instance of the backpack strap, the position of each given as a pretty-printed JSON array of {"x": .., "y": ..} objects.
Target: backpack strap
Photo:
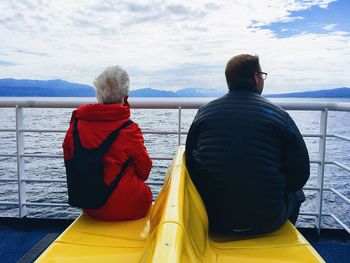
[
  {"x": 103, "y": 148},
  {"x": 115, "y": 182},
  {"x": 76, "y": 137}
]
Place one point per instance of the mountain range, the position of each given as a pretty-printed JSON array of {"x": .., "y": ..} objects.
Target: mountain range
[
  {"x": 43, "y": 88},
  {"x": 327, "y": 93},
  {"x": 60, "y": 88}
]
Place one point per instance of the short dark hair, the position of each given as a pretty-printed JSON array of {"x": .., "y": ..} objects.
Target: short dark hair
[{"x": 240, "y": 69}]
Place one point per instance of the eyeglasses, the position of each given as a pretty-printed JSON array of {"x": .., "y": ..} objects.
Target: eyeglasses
[{"x": 263, "y": 74}]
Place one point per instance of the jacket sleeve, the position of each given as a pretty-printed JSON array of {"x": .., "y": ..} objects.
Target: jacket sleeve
[
  {"x": 68, "y": 143},
  {"x": 138, "y": 153},
  {"x": 296, "y": 163}
]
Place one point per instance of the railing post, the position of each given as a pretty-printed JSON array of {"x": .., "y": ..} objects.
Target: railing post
[
  {"x": 179, "y": 128},
  {"x": 20, "y": 162},
  {"x": 320, "y": 173}
]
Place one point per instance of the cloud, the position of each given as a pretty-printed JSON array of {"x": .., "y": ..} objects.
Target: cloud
[
  {"x": 172, "y": 44},
  {"x": 183, "y": 11},
  {"x": 31, "y": 52},
  {"x": 6, "y": 63},
  {"x": 330, "y": 27}
]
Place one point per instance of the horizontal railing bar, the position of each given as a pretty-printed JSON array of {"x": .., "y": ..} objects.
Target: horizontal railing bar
[
  {"x": 308, "y": 214},
  {"x": 32, "y": 130},
  {"x": 155, "y": 183},
  {"x": 136, "y": 103},
  {"x": 312, "y": 135},
  {"x": 7, "y": 130},
  {"x": 316, "y": 188},
  {"x": 314, "y": 106},
  {"x": 339, "y": 165},
  {"x": 63, "y": 131},
  {"x": 8, "y": 155},
  {"x": 347, "y": 229},
  {"x": 41, "y": 156},
  {"x": 8, "y": 180},
  {"x": 164, "y": 103},
  {"x": 339, "y": 137},
  {"x": 312, "y": 214},
  {"x": 153, "y": 158},
  {"x": 34, "y": 180},
  {"x": 340, "y": 195},
  {"x": 45, "y": 180},
  {"x": 312, "y": 188},
  {"x": 160, "y": 133},
  {"x": 46, "y": 204},
  {"x": 61, "y": 156},
  {"x": 315, "y": 161},
  {"x": 162, "y": 158},
  {"x": 9, "y": 203},
  {"x": 40, "y": 130},
  {"x": 163, "y": 132},
  {"x": 57, "y": 181},
  {"x": 326, "y": 214},
  {"x": 67, "y": 205},
  {"x": 146, "y": 132}
]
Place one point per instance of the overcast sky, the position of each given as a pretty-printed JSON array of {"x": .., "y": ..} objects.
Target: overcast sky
[{"x": 175, "y": 44}]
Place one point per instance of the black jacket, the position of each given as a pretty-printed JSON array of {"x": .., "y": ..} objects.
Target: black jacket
[{"x": 244, "y": 154}]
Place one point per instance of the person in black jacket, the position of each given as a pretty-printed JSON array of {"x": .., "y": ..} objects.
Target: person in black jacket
[{"x": 246, "y": 156}]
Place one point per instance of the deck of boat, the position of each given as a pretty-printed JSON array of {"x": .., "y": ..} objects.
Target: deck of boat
[{"x": 23, "y": 240}]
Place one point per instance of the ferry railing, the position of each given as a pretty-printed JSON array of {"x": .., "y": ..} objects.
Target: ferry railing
[{"x": 179, "y": 104}]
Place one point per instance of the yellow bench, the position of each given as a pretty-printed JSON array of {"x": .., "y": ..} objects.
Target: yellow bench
[{"x": 177, "y": 233}]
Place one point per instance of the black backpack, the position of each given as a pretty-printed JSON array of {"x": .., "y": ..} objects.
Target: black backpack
[{"x": 85, "y": 177}]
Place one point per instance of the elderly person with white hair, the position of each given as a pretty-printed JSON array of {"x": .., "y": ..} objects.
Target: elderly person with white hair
[{"x": 104, "y": 131}]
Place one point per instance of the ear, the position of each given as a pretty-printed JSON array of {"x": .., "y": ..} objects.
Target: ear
[
  {"x": 126, "y": 100},
  {"x": 256, "y": 79}
]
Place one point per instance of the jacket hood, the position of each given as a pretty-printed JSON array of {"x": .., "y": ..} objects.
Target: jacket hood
[{"x": 104, "y": 112}]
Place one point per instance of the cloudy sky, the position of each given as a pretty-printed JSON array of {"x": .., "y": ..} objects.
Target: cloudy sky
[{"x": 175, "y": 44}]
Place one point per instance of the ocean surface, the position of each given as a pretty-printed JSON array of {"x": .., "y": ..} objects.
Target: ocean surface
[{"x": 158, "y": 146}]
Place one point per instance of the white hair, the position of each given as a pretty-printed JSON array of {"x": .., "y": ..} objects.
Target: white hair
[{"x": 112, "y": 85}]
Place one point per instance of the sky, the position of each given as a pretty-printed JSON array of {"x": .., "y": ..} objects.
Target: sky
[{"x": 176, "y": 44}]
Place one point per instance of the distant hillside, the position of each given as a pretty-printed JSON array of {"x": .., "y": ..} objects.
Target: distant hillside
[
  {"x": 328, "y": 93},
  {"x": 61, "y": 88},
  {"x": 149, "y": 92},
  {"x": 189, "y": 92},
  {"x": 200, "y": 93},
  {"x": 43, "y": 88}
]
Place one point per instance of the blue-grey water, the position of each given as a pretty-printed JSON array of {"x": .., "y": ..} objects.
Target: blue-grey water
[{"x": 158, "y": 146}]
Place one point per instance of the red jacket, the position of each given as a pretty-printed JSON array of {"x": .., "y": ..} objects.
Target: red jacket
[{"x": 132, "y": 198}]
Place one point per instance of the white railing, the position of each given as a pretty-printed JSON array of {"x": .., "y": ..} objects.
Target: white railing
[{"x": 161, "y": 103}]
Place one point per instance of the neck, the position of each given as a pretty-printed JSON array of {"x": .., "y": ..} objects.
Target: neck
[{"x": 246, "y": 87}]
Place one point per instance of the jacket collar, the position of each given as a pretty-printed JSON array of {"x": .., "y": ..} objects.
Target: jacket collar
[
  {"x": 245, "y": 88},
  {"x": 104, "y": 112}
]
